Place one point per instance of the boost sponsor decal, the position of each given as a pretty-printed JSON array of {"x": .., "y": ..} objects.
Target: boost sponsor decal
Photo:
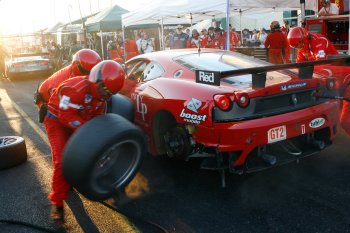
[
  {"x": 317, "y": 122},
  {"x": 192, "y": 118},
  {"x": 286, "y": 87},
  {"x": 208, "y": 77},
  {"x": 193, "y": 105}
]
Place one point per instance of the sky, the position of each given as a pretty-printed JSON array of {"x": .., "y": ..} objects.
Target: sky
[{"x": 26, "y": 16}]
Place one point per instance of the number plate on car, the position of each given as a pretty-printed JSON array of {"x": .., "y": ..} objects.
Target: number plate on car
[{"x": 277, "y": 134}]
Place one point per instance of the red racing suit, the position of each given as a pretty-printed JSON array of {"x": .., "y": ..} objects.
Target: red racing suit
[
  {"x": 345, "y": 113},
  {"x": 279, "y": 50},
  {"x": 319, "y": 47},
  {"x": 72, "y": 104},
  {"x": 48, "y": 86},
  {"x": 316, "y": 47}
]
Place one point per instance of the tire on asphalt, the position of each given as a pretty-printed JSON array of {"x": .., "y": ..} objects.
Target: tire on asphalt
[
  {"x": 13, "y": 151},
  {"x": 103, "y": 156}
]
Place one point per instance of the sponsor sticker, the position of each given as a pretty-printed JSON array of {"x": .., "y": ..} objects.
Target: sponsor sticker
[
  {"x": 317, "y": 122},
  {"x": 208, "y": 77},
  {"x": 286, "y": 87},
  {"x": 277, "y": 134},
  {"x": 140, "y": 106},
  {"x": 193, "y": 105}
]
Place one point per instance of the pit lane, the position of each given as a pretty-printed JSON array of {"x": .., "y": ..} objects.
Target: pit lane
[{"x": 311, "y": 196}]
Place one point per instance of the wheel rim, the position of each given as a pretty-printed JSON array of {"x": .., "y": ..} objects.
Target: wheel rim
[
  {"x": 116, "y": 165},
  {"x": 5, "y": 141}
]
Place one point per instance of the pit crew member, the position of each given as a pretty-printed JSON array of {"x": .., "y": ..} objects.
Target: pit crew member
[
  {"x": 277, "y": 44},
  {"x": 314, "y": 46},
  {"x": 74, "y": 102}
]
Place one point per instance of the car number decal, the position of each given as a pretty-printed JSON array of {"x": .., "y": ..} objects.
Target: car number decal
[{"x": 277, "y": 134}]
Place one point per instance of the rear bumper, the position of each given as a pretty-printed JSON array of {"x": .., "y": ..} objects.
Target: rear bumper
[{"x": 245, "y": 136}]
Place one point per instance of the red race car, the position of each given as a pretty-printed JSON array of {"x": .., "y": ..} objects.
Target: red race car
[{"x": 238, "y": 113}]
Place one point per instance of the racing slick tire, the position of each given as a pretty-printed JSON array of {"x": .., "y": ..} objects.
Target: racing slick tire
[
  {"x": 103, "y": 156},
  {"x": 13, "y": 151},
  {"x": 121, "y": 105}
]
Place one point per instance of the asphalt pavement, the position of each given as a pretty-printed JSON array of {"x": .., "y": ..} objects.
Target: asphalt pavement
[{"x": 172, "y": 196}]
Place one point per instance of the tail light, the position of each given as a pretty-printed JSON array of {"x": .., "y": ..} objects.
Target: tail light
[
  {"x": 331, "y": 84},
  {"x": 222, "y": 101},
  {"x": 44, "y": 63},
  {"x": 242, "y": 99}
]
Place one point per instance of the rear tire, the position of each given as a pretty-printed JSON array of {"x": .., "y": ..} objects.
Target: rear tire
[
  {"x": 13, "y": 151},
  {"x": 103, "y": 156}
]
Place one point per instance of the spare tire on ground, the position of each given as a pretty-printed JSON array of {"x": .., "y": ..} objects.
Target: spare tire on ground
[
  {"x": 103, "y": 156},
  {"x": 13, "y": 151}
]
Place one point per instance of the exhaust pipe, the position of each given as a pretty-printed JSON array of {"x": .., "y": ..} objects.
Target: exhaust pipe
[{"x": 270, "y": 159}]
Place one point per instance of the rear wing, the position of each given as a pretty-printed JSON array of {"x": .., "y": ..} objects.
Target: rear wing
[{"x": 306, "y": 70}]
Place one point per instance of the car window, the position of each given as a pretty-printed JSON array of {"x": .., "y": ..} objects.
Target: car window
[
  {"x": 135, "y": 69},
  {"x": 152, "y": 71}
]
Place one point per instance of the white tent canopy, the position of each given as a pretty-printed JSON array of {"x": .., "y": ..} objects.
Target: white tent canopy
[{"x": 190, "y": 11}]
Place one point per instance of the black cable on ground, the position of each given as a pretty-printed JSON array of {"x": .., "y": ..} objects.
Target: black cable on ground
[
  {"x": 30, "y": 225},
  {"x": 134, "y": 217}
]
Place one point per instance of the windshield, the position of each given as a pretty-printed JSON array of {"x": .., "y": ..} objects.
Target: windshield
[{"x": 224, "y": 61}]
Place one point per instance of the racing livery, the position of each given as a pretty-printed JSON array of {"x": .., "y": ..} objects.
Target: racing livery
[{"x": 235, "y": 112}]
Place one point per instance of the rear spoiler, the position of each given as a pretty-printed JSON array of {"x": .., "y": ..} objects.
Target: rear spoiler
[{"x": 306, "y": 70}]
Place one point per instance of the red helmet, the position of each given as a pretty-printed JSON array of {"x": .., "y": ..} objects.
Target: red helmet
[
  {"x": 296, "y": 35},
  {"x": 275, "y": 25},
  {"x": 108, "y": 76},
  {"x": 84, "y": 60}
]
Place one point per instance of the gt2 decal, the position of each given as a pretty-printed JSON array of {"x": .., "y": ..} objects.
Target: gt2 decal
[
  {"x": 140, "y": 106},
  {"x": 277, "y": 134},
  {"x": 292, "y": 86}
]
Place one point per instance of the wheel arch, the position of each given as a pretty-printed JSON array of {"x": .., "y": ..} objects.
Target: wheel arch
[{"x": 161, "y": 123}]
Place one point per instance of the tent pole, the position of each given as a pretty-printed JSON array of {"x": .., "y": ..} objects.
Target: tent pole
[
  {"x": 162, "y": 34},
  {"x": 240, "y": 25},
  {"x": 227, "y": 25},
  {"x": 124, "y": 51},
  {"x": 302, "y": 4},
  {"x": 102, "y": 50}
]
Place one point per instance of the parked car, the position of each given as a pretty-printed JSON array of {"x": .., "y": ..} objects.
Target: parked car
[{"x": 29, "y": 65}]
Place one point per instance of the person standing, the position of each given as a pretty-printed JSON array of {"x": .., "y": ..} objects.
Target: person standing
[
  {"x": 73, "y": 103},
  {"x": 328, "y": 8},
  {"x": 195, "y": 41},
  {"x": 3, "y": 55},
  {"x": 179, "y": 39},
  {"x": 277, "y": 44},
  {"x": 146, "y": 44},
  {"x": 218, "y": 42},
  {"x": 285, "y": 28}
]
